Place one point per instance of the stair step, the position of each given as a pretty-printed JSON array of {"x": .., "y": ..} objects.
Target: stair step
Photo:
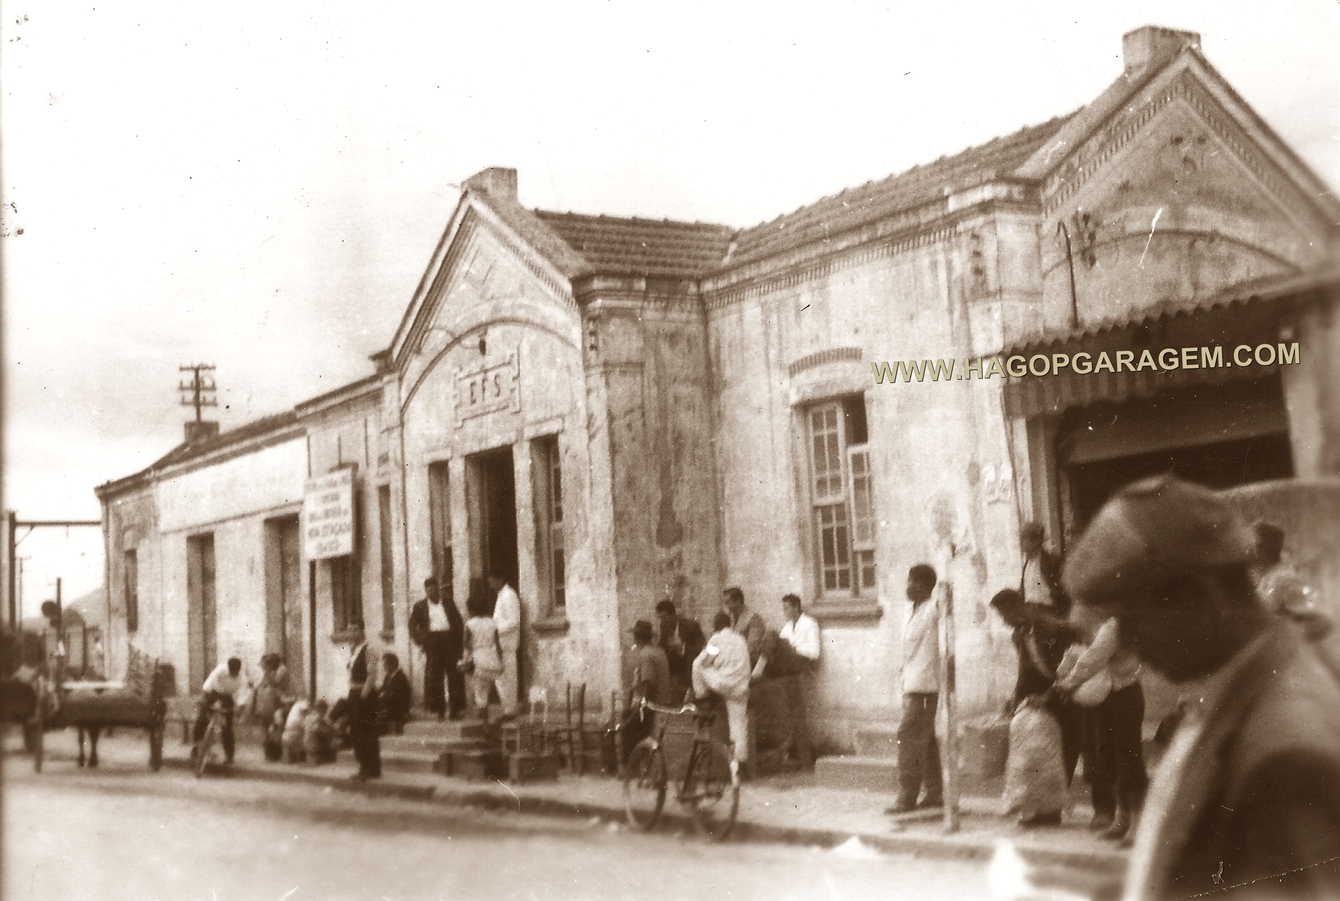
[
  {"x": 437, "y": 744},
  {"x": 474, "y": 765},
  {"x": 857, "y": 772},
  {"x": 877, "y": 741},
  {"x": 410, "y": 762},
  {"x": 446, "y": 731}
]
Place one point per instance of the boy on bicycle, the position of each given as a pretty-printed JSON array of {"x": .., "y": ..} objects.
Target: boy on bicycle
[
  {"x": 723, "y": 669},
  {"x": 221, "y": 687}
]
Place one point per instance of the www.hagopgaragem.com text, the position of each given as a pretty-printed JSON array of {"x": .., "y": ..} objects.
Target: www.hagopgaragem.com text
[{"x": 1084, "y": 363}]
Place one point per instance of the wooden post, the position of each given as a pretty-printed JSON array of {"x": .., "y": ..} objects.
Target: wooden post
[{"x": 949, "y": 753}]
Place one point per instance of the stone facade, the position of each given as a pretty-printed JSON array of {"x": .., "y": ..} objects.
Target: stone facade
[{"x": 614, "y": 411}]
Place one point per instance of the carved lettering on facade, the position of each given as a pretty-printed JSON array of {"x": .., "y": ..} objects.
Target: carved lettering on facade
[{"x": 488, "y": 390}]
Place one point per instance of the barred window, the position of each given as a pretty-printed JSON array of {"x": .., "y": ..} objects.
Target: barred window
[{"x": 842, "y": 496}]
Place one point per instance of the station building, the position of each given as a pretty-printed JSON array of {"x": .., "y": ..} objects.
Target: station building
[{"x": 612, "y": 411}]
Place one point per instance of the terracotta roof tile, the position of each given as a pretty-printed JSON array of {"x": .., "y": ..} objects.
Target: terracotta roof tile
[
  {"x": 854, "y": 207},
  {"x": 642, "y": 246}
]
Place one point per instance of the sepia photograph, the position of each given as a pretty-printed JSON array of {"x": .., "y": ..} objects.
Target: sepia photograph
[{"x": 594, "y": 450}]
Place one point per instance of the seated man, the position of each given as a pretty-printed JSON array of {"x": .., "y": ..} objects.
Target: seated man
[
  {"x": 723, "y": 669},
  {"x": 222, "y": 688},
  {"x": 393, "y": 697},
  {"x": 318, "y": 736}
]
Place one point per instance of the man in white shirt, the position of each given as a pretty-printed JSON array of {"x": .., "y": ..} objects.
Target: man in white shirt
[
  {"x": 507, "y": 619},
  {"x": 796, "y": 658},
  {"x": 801, "y": 632},
  {"x": 222, "y": 687},
  {"x": 918, "y": 751},
  {"x": 723, "y": 669}
]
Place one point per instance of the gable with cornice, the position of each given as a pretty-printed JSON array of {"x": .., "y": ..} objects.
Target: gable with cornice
[{"x": 1178, "y": 194}]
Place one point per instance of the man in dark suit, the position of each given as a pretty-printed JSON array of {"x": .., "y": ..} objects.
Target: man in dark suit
[
  {"x": 436, "y": 626},
  {"x": 682, "y": 640},
  {"x": 393, "y": 698}
]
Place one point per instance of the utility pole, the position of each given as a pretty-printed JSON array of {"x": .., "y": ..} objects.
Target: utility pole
[{"x": 199, "y": 386}]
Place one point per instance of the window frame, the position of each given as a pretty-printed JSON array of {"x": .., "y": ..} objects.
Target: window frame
[
  {"x": 840, "y": 506},
  {"x": 550, "y": 544}
]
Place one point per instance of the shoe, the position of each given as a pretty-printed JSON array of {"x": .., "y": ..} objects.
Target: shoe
[
  {"x": 1101, "y": 822},
  {"x": 1117, "y": 831},
  {"x": 1040, "y": 819},
  {"x": 900, "y": 807},
  {"x": 931, "y": 802},
  {"x": 359, "y": 777}
]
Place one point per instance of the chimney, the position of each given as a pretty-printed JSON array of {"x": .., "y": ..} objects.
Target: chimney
[
  {"x": 498, "y": 182},
  {"x": 199, "y": 432},
  {"x": 1151, "y": 45}
]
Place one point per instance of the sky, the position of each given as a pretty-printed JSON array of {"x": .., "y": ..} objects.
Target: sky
[{"x": 259, "y": 186}]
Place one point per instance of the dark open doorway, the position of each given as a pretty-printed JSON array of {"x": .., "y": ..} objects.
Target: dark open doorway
[{"x": 493, "y": 513}]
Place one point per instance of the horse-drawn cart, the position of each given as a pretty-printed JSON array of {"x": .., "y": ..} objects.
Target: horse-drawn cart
[{"x": 137, "y": 702}]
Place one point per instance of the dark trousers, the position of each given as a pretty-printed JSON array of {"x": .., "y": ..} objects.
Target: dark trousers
[
  {"x": 202, "y": 720},
  {"x": 918, "y": 750},
  {"x": 442, "y": 651},
  {"x": 1117, "y": 764},
  {"x": 1072, "y": 719},
  {"x": 363, "y": 736}
]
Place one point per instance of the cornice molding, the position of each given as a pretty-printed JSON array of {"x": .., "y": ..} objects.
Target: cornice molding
[
  {"x": 820, "y": 358},
  {"x": 1080, "y": 167}
]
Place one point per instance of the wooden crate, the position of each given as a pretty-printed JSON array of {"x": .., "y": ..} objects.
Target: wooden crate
[{"x": 524, "y": 767}]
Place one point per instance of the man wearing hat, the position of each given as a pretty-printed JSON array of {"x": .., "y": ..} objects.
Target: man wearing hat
[
  {"x": 1248, "y": 794},
  {"x": 649, "y": 677}
]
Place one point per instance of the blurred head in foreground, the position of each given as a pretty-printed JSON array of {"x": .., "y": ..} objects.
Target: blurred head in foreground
[{"x": 1172, "y": 563}]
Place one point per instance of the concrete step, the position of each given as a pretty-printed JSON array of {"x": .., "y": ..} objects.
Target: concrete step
[
  {"x": 401, "y": 761},
  {"x": 857, "y": 772},
  {"x": 877, "y": 741},
  {"x": 437, "y": 744},
  {"x": 432, "y": 729}
]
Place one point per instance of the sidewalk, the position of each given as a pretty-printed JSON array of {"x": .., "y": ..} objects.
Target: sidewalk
[{"x": 788, "y": 808}]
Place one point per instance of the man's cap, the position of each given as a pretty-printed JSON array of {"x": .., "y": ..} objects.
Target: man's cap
[
  {"x": 642, "y": 630},
  {"x": 1147, "y": 533}
]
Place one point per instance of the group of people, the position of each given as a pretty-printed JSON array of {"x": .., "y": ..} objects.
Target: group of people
[
  {"x": 674, "y": 662},
  {"x": 1248, "y": 791}
]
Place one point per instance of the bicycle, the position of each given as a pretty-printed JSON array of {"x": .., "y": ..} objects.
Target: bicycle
[
  {"x": 707, "y": 779},
  {"x": 203, "y": 752}
]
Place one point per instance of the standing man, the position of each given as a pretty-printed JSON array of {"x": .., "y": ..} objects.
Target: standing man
[
  {"x": 918, "y": 751},
  {"x": 435, "y": 625},
  {"x": 507, "y": 618},
  {"x": 796, "y": 658},
  {"x": 363, "y": 705},
  {"x": 750, "y": 625},
  {"x": 1248, "y": 793},
  {"x": 1040, "y": 578},
  {"x": 221, "y": 687},
  {"x": 682, "y": 640}
]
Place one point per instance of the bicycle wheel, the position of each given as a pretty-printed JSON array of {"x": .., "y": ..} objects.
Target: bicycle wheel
[
  {"x": 712, "y": 789},
  {"x": 644, "y": 785},
  {"x": 205, "y": 746}
]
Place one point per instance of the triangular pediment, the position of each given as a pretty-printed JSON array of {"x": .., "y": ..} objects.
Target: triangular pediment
[{"x": 1175, "y": 193}]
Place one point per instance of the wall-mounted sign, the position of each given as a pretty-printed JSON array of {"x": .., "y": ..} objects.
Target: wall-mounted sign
[
  {"x": 328, "y": 515},
  {"x": 489, "y": 389}
]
